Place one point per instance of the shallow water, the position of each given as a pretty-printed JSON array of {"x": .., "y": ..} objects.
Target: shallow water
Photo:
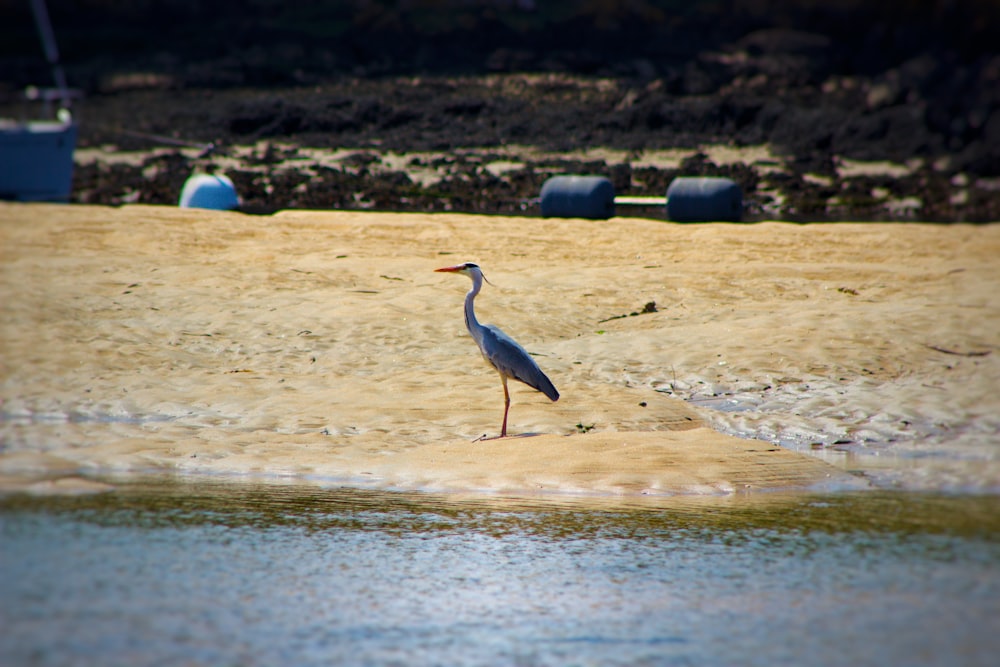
[
  {"x": 207, "y": 572},
  {"x": 917, "y": 432}
]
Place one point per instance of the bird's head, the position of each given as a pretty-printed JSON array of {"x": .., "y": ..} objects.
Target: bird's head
[{"x": 467, "y": 269}]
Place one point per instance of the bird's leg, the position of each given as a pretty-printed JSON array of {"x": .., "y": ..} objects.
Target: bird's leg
[{"x": 506, "y": 405}]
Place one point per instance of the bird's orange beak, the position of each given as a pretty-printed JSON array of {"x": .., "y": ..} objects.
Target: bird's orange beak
[{"x": 450, "y": 269}]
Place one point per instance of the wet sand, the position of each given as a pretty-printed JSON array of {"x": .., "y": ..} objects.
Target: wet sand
[{"x": 321, "y": 345}]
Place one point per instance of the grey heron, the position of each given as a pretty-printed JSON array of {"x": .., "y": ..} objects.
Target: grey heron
[{"x": 501, "y": 351}]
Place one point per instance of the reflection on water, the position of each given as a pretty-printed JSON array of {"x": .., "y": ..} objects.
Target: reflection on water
[{"x": 216, "y": 573}]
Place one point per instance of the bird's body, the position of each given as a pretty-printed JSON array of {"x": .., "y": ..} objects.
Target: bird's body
[{"x": 501, "y": 351}]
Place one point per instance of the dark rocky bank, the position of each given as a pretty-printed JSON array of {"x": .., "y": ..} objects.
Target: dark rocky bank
[{"x": 458, "y": 86}]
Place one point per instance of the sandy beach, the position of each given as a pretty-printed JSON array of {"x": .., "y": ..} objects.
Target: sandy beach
[{"x": 321, "y": 345}]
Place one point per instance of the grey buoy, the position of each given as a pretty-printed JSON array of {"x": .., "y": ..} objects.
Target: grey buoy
[
  {"x": 212, "y": 191},
  {"x": 704, "y": 199},
  {"x": 578, "y": 197}
]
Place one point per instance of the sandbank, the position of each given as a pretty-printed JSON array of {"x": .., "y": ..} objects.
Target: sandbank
[{"x": 321, "y": 344}]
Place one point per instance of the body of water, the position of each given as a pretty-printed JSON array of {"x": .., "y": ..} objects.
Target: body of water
[{"x": 207, "y": 572}]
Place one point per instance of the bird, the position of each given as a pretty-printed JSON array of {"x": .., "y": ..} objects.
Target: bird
[{"x": 500, "y": 350}]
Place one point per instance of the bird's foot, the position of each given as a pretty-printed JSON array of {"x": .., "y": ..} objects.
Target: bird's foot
[{"x": 484, "y": 437}]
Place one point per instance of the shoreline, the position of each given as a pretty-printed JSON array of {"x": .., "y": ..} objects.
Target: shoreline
[{"x": 275, "y": 175}]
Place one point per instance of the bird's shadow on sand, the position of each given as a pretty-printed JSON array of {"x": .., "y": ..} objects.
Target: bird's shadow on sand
[{"x": 486, "y": 438}]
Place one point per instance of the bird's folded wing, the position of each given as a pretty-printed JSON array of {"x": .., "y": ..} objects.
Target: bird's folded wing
[{"x": 514, "y": 361}]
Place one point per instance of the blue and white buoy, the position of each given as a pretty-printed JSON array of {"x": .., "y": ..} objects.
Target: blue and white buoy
[{"x": 212, "y": 191}]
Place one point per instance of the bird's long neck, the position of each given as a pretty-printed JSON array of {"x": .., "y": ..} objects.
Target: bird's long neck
[{"x": 471, "y": 323}]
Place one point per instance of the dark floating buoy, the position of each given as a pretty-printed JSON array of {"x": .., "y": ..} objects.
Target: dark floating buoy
[
  {"x": 688, "y": 199},
  {"x": 578, "y": 197},
  {"x": 704, "y": 199}
]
